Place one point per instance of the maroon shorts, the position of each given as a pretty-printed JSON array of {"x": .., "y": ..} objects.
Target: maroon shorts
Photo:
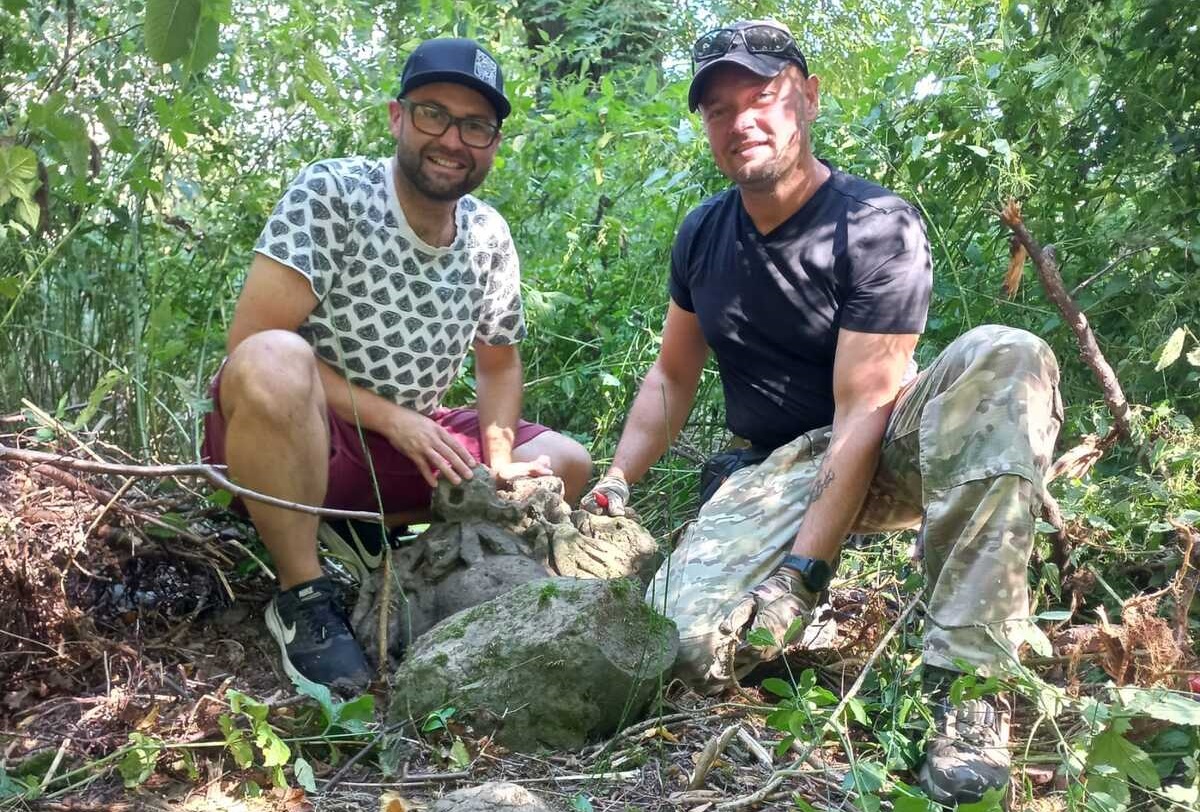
[{"x": 350, "y": 488}]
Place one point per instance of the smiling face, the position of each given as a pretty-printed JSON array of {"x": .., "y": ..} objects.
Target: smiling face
[
  {"x": 442, "y": 167},
  {"x": 759, "y": 129}
]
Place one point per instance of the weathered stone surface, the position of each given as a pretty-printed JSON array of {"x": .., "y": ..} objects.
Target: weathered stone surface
[
  {"x": 554, "y": 663},
  {"x": 490, "y": 796},
  {"x": 485, "y": 543}
]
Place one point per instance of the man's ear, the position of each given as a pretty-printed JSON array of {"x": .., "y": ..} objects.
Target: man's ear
[
  {"x": 812, "y": 95},
  {"x": 395, "y": 118}
]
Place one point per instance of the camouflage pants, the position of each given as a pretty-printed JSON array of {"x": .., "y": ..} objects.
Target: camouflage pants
[{"x": 964, "y": 456}]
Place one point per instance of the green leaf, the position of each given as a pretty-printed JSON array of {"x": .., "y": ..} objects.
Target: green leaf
[
  {"x": 856, "y": 710},
  {"x": 221, "y": 498},
  {"x": 978, "y": 150},
  {"x": 28, "y": 212},
  {"x": 991, "y": 801},
  {"x": 170, "y": 26},
  {"x": 138, "y": 763},
  {"x": 459, "y": 756},
  {"x": 205, "y": 46},
  {"x": 778, "y": 687},
  {"x": 304, "y": 774},
  {"x": 865, "y": 776},
  {"x": 18, "y": 173},
  {"x": 1107, "y": 792},
  {"x": 318, "y": 692},
  {"x": 355, "y": 713},
  {"x": 1055, "y": 615},
  {"x": 235, "y": 740},
  {"x": 1168, "y": 353},
  {"x": 275, "y": 751},
  {"x": 1113, "y": 749},
  {"x": 436, "y": 720},
  {"x": 99, "y": 392},
  {"x": 912, "y": 803},
  {"x": 581, "y": 803},
  {"x": 1162, "y": 704},
  {"x": 761, "y": 638}
]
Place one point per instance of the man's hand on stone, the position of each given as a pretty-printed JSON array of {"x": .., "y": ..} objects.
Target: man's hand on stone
[
  {"x": 608, "y": 497},
  {"x": 516, "y": 470},
  {"x": 776, "y": 606},
  {"x": 431, "y": 448}
]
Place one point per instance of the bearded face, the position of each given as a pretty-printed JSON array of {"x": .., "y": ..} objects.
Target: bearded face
[
  {"x": 442, "y": 167},
  {"x": 441, "y": 171}
]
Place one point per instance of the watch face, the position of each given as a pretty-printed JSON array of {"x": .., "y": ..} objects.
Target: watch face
[{"x": 817, "y": 574}]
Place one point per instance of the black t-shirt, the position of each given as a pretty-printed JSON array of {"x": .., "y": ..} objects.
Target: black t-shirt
[{"x": 770, "y": 306}]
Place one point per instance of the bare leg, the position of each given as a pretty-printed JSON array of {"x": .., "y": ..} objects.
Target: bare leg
[
  {"x": 277, "y": 443},
  {"x": 568, "y": 459}
]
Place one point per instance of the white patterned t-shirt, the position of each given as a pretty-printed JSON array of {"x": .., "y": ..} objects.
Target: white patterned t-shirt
[{"x": 394, "y": 314}]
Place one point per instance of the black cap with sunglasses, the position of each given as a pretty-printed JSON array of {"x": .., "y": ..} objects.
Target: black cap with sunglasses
[
  {"x": 764, "y": 47},
  {"x": 462, "y": 61}
]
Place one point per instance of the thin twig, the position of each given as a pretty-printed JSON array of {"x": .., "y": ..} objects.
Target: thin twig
[
  {"x": 756, "y": 749},
  {"x": 208, "y": 472},
  {"x": 709, "y": 755},
  {"x": 414, "y": 780},
  {"x": 357, "y": 757},
  {"x": 1085, "y": 283}
]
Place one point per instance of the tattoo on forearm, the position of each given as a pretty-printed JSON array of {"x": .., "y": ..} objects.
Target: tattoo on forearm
[{"x": 824, "y": 480}]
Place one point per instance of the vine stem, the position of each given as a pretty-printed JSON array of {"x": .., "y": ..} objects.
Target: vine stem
[{"x": 210, "y": 472}]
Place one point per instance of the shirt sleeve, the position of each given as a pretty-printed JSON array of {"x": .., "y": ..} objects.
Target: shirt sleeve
[
  {"x": 891, "y": 274},
  {"x": 679, "y": 284},
  {"x": 308, "y": 227},
  {"x": 502, "y": 315}
]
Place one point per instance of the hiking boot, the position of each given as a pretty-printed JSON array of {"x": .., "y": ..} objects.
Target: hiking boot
[
  {"x": 967, "y": 754},
  {"x": 357, "y": 544},
  {"x": 314, "y": 638}
]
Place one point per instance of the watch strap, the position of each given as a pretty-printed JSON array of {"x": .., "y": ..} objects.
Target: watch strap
[{"x": 816, "y": 573}]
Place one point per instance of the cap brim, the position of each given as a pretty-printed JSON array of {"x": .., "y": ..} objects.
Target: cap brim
[
  {"x": 503, "y": 108},
  {"x": 764, "y": 65}
]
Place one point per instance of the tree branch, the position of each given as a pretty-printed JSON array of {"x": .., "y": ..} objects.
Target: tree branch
[
  {"x": 208, "y": 472},
  {"x": 1089, "y": 350}
]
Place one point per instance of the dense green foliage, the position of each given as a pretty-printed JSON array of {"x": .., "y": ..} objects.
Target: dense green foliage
[
  {"x": 133, "y": 190},
  {"x": 143, "y": 144}
]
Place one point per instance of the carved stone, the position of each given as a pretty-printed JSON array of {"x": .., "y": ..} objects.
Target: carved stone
[{"x": 483, "y": 543}]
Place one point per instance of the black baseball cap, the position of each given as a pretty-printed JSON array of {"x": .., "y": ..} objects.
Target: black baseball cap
[
  {"x": 739, "y": 51},
  {"x": 463, "y": 61}
]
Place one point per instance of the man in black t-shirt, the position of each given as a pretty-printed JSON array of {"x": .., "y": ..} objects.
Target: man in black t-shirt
[{"x": 811, "y": 287}]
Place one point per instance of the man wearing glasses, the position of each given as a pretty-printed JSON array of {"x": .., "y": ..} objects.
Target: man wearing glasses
[
  {"x": 371, "y": 280},
  {"x": 811, "y": 287}
]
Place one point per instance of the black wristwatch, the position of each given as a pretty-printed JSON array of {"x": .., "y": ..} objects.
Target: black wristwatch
[{"x": 816, "y": 573}]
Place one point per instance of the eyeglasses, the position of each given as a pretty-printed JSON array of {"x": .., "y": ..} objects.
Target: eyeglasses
[
  {"x": 434, "y": 120},
  {"x": 757, "y": 39}
]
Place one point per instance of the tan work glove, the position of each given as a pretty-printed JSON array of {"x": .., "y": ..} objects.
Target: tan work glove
[
  {"x": 607, "y": 497},
  {"x": 774, "y": 606}
]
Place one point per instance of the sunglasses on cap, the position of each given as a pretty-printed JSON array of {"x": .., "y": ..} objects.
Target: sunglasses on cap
[{"x": 756, "y": 39}]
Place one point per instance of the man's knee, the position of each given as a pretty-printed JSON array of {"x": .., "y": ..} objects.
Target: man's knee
[
  {"x": 274, "y": 371},
  {"x": 569, "y": 460},
  {"x": 1011, "y": 350}
]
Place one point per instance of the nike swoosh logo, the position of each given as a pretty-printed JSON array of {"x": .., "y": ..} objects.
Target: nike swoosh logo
[
  {"x": 371, "y": 560},
  {"x": 289, "y": 632}
]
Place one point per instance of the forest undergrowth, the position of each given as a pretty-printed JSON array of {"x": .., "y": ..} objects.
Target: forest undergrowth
[{"x": 138, "y": 163}]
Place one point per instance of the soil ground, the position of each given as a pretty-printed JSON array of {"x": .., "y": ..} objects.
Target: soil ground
[{"x": 127, "y": 613}]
